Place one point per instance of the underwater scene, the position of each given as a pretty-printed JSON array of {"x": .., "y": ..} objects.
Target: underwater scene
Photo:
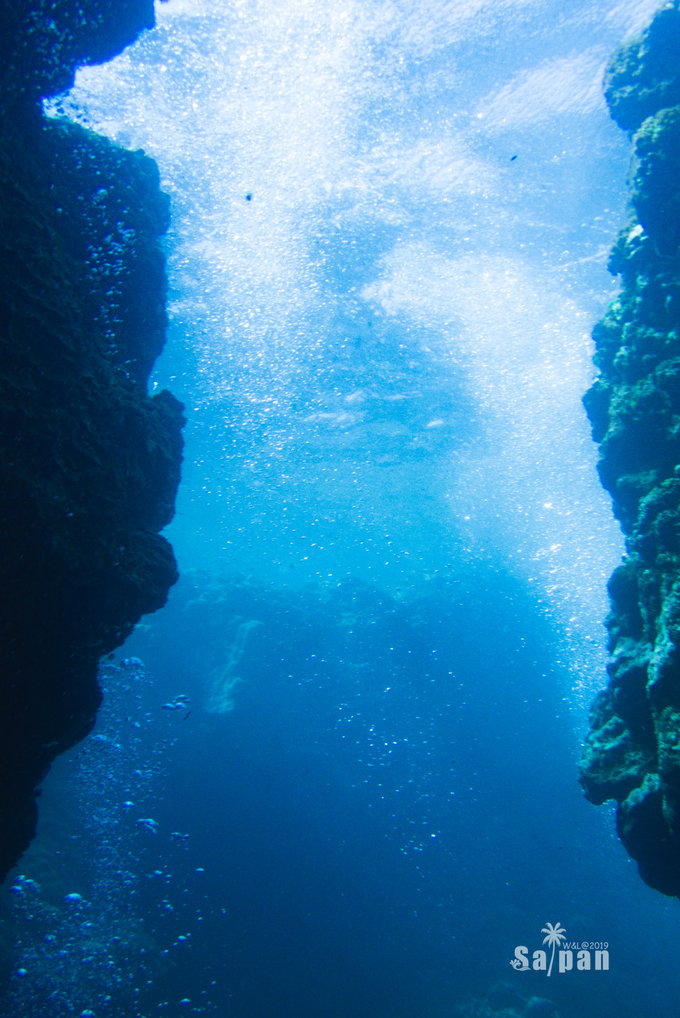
[{"x": 345, "y": 764}]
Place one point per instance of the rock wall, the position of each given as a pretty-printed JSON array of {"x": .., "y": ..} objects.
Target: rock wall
[
  {"x": 632, "y": 754},
  {"x": 89, "y": 463}
]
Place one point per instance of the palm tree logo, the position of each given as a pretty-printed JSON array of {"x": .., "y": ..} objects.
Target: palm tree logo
[{"x": 554, "y": 936}]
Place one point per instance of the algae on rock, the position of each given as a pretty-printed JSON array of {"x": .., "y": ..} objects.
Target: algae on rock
[{"x": 632, "y": 753}]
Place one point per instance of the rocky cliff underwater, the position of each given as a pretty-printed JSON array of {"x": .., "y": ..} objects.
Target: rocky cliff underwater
[
  {"x": 632, "y": 753},
  {"x": 89, "y": 463}
]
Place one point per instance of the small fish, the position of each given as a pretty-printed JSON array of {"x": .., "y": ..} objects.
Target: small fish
[{"x": 151, "y": 825}]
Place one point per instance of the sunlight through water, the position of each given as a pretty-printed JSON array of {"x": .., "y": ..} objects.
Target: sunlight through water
[{"x": 386, "y": 259}]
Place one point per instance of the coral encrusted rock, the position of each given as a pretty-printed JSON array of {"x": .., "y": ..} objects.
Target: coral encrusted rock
[
  {"x": 89, "y": 462},
  {"x": 632, "y": 753}
]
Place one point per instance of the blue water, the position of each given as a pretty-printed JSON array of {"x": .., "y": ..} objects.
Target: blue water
[{"x": 336, "y": 775}]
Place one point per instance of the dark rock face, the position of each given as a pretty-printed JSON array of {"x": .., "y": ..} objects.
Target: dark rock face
[
  {"x": 633, "y": 751},
  {"x": 89, "y": 463},
  {"x": 43, "y": 42}
]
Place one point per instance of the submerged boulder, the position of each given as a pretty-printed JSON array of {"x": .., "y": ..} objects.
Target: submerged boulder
[
  {"x": 89, "y": 462},
  {"x": 632, "y": 753}
]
